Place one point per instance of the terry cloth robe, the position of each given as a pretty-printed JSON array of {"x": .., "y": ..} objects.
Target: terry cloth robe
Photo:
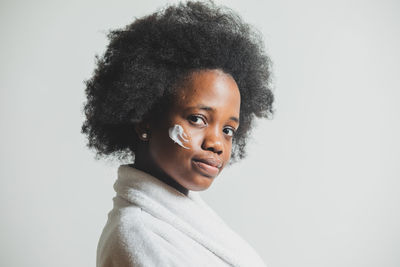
[{"x": 153, "y": 224}]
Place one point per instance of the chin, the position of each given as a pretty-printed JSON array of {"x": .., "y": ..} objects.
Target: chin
[
  {"x": 200, "y": 183},
  {"x": 199, "y": 188}
]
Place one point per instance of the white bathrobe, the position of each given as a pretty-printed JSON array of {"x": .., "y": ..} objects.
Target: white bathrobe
[{"x": 153, "y": 224}]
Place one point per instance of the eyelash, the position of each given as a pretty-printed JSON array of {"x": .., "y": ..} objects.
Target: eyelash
[
  {"x": 232, "y": 130},
  {"x": 191, "y": 119}
]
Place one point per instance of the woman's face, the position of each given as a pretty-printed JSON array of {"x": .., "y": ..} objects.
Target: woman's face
[{"x": 207, "y": 109}]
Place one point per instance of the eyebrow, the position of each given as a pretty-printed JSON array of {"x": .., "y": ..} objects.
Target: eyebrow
[{"x": 203, "y": 107}]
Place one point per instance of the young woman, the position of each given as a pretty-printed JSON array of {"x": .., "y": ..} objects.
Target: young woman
[{"x": 177, "y": 92}]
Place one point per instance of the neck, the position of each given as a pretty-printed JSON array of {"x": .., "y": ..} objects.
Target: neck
[{"x": 145, "y": 163}]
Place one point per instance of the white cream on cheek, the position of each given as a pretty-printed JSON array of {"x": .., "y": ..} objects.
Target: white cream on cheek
[{"x": 177, "y": 135}]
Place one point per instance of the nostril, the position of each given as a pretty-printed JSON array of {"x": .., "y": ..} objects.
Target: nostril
[{"x": 213, "y": 149}]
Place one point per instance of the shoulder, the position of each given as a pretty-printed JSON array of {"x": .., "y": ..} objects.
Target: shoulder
[
  {"x": 129, "y": 240},
  {"x": 123, "y": 229}
]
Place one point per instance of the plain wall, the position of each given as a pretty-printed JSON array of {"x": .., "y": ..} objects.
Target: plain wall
[{"x": 320, "y": 185}]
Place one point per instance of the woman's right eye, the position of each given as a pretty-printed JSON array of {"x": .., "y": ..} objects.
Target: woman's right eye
[{"x": 197, "y": 120}]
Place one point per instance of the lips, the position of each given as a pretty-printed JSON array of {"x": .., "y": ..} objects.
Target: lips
[{"x": 209, "y": 167}]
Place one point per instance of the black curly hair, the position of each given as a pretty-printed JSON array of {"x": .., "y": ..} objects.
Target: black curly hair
[{"x": 147, "y": 60}]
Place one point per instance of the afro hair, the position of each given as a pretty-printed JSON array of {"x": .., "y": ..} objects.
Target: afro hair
[{"x": 147, "y": 60}]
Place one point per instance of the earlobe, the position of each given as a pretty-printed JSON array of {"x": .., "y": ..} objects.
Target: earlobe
[{"x": 142, "y": 131}]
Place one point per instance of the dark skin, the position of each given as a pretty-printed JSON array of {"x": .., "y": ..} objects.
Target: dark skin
[{"x": 208, "y": 108}]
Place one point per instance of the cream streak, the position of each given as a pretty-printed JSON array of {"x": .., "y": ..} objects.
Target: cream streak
[{"x": 177, "y": 134}]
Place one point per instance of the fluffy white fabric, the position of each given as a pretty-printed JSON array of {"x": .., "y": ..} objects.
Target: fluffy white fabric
[{"x": 153, "y": 224}]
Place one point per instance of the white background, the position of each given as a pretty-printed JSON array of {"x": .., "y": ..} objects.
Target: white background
[{"x": 320, "y": 186}]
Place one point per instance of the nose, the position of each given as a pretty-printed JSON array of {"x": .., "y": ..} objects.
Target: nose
[{"x": 213, "y": 141}]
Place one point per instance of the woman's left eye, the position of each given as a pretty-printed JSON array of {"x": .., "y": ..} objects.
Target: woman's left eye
[{"x": 229, "y": 131}]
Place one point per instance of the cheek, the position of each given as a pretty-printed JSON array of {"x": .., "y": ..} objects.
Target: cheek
[
  {"x": 228, "y": 149},
  {"x": 167, "y": 154},
  {"x": 161, "y": 147},
  {"x": 195, "y": 137}
]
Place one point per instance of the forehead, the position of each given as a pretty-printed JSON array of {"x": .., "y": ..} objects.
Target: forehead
[{"x": 212, "y": 88}]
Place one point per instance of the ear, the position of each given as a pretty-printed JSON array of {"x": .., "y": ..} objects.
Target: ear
[{"x": 142, "y": 130}]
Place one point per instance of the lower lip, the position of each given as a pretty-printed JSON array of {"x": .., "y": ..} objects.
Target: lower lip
[{"x": 205, "y": 169}]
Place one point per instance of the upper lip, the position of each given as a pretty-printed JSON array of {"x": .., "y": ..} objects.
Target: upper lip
[{"x": 210, "y": 161}]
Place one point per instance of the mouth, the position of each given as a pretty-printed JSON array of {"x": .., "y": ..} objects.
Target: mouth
[{"x": 208, "y": 167}]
